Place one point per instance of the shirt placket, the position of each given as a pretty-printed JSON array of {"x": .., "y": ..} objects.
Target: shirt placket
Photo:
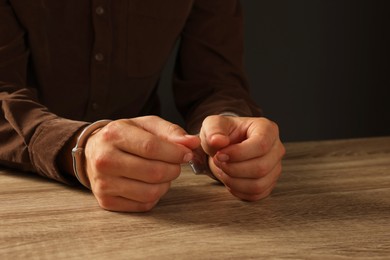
[{"x": 100, "y": 59}]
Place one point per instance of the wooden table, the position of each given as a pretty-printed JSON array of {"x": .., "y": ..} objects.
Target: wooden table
[{"x": 332, "y": 202}]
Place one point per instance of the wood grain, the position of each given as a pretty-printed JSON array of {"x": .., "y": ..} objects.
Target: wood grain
[{"x": 332, "y": 202}]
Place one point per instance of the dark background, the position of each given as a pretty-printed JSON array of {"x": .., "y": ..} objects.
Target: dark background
[{"x": 319, "y": 68}]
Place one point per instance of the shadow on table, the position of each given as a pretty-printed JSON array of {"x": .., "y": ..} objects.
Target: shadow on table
[
  {"x": 36, "y": 178},
  {"x": 213, "y": 205}
]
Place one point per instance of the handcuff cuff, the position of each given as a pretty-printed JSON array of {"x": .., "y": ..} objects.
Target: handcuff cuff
[{"x": 78, "y": 156}]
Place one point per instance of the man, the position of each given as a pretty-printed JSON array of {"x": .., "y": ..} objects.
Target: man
[{"x": 64, "y": 64}]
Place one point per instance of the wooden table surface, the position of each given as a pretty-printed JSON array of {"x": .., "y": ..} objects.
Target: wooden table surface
[{"x": 332, "y": 202}]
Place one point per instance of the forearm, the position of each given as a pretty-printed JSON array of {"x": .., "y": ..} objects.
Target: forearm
[
  {"x": 209, "y": 75},
  {"x": 32, "y": 138}
]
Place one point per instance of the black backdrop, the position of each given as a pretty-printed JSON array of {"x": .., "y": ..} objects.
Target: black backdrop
[{"x": 319, "y": 68}]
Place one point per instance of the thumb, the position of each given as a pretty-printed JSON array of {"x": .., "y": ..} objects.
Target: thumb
[{"x": 215, "y": 133}]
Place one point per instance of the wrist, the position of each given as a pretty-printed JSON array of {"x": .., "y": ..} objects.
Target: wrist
[{"x": 78, "y": 155}]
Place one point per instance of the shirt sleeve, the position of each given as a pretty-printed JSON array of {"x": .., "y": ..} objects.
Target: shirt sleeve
[
  {"x": 30, "y": 136},
  {"x": 209, "y": 73}
]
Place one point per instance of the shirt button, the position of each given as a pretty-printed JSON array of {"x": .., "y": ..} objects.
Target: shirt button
[
  {"x": 99, "y": 10},
  {"x": 99, "y": 57},
  {"x": 95, "y": 106}
]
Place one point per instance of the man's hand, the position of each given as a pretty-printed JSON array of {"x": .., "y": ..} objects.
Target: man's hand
[
  {"x": 132, "y": 162},
  {"x": 244, "y": 153}
]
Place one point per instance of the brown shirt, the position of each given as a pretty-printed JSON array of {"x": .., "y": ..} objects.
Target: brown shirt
[{"x": 66, "y": 63}]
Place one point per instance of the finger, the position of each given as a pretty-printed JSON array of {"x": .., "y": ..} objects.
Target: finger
[
  {"x": 251, "y": 186},
  {"x": 261, "y": 136},
  {"x": 134, "y": 140},
  {"x": 215, "y": 133},
  {"x": 121, "y": 164},
  {"x": 254, "y": 197},
  {"x": 167, "y": 131},
  {"x": 253, "y": 168},
  {"x": 120, "y": 204},
  {"x": 130, "y": 189}
]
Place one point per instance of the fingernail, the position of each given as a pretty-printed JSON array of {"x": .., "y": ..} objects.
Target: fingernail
[
  {"x": 222, "y": 157},
  {"x": 188, "y": 157}
]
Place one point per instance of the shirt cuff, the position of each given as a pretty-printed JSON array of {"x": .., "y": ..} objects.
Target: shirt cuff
[{"x": 46, "y": 144}]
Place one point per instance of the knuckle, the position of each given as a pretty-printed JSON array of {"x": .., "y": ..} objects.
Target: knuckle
[
  {"x": 106, "y": 202},
  {"x": 262, "y": 169},
  {"x": 252, "y": 198},
  {"x": 157, "y": 175},
  {"x": 176, "y": 170},
  {"x": 212, "y": 119},
  {"x": 259, "y": 196},
  {"x": 268, "y": 122},
  {"x": 145, "y": 207},
  {"x": 246, "y": 197},
  {"x": 257, "y": 189},
  {"x": 102, "y": 161},
  {"x": 101, "y": 187},
  {"x": 265, "y": 194},
  {"x": 152, "y": 117},
  {"x": 152, "y": 194},
  {"x": 110, "y": 132},
  {"x": 160, "y": 173},
  {"x": 263, "y": 144},
  {"x": 274, "y": 126},
  {"x": 173, "y": 128},
  {"x": 256, "y": 196},
  {"x": 149, "y": 146}
]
